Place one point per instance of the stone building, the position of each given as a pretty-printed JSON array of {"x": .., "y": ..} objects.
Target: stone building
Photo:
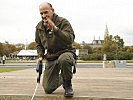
[{"x": 99, "y": 43}]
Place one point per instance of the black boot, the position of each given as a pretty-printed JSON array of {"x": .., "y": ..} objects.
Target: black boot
[{"x": 68, "y": 88}]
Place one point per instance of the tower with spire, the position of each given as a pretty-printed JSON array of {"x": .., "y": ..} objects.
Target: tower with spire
[
  {"x": 98, "y": 42},
  {"x": 106, "y": 33}
]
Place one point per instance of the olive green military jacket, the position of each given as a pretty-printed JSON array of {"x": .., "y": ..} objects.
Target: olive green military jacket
[{"x": 54, "y": 42}]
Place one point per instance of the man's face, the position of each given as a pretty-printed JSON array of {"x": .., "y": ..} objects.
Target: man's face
[{"x": 46, "y": 11}]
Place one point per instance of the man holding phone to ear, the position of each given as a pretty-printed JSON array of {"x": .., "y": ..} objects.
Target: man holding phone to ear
[{"x": 55, "y": 34}]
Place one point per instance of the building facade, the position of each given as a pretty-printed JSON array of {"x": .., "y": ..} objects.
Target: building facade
[{"x": 97, "y": 42}]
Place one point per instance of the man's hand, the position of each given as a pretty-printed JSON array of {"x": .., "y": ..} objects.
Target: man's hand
[{"x": 50, "y": 24}]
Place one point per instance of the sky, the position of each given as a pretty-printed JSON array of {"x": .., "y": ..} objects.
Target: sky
[{"x": 18, "y": 19}]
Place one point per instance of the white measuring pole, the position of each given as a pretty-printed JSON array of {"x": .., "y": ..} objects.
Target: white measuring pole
[{"x": 34, "y": 91}]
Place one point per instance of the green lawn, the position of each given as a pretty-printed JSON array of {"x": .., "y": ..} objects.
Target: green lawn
[
  {"x": 129, "y": 61},
  {"x": 9, "y": 69}
]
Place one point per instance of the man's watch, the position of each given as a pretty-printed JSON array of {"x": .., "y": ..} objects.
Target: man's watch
[{"x": 55, "y": 28}]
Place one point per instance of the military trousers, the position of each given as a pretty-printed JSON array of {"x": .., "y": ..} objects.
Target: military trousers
[{"x": 58, "y": 70}]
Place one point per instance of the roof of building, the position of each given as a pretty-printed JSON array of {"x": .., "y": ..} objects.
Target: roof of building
[
  {"x": 102, "y": 41},
  {"x": 27, "y": 53}
]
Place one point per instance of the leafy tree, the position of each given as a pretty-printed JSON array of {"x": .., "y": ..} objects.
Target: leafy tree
[
  {"x": 94, "y": 56},
  {"x": 112, "y": 44},
  {"x": 125, "y": 55},
  {"x": 1, "y": 49},
  {"x": 20, "y": 46},
  {"x": 76, "y": 45},
  {"x": 106, "y": 48},
  {"x": 8, "y": 48},
  {"x": 111, "y": 55},
  {"x": 32, "y": 46},
  {"x": 97, "y": 50},
  {"x": 88, "y": 48},
  {"x": 118, "y": 41},
  {"x": 128, "y": 49}
]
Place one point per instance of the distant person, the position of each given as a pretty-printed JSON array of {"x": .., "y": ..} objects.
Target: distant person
[
  {"x": 3, "y": 59},
  {"x": 55, "y": 34}
]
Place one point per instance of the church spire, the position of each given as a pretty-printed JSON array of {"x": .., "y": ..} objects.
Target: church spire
[{"x": 106, "y": 33}]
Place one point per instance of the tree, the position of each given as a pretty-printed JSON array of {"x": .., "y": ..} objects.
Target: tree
[
  {"x": 112, "y": 44},
  {"x": 106, "y": 48},
  {"x": 125, "y": 55},
  {"x": 20, "y": 46},
  {"x": 97, "y": 50},
  {"x": 86, "y": 46},
  {"x": 128, "y": 49},
  {"x": 1, "y": 49},
  {"x": 8, "y": 48},
  {"x": 118, "y": 41},
  {"x": 76, "y": 45},
  {"x": 32, "y": 46}
]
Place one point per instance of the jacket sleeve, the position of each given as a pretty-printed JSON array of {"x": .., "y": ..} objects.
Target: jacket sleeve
[
  {"x": 40, "y": 48},
  {"x": 65, "y": 32}
]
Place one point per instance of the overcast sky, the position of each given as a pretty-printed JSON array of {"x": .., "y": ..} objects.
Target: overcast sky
[{"x": 88, "y": 18}]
